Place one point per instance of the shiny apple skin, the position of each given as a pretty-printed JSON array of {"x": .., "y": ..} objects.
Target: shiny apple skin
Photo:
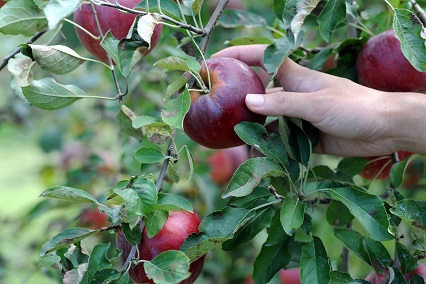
[
  {"x": 177, "y": 228},
  {"x": 109, "y": 19},
  {"x": 381, "y": 65},
  {"x": 224, "y": 162},
  {"x": 371, "y": 170},
  {"x": 383, "y": 278},
  {"x": 211, "y": 118}
]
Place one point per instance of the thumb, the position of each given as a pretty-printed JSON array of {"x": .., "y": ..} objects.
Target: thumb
[{"x": 299, "y": 105}]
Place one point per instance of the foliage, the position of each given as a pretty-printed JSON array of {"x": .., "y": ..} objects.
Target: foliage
[{"x": 277, "y": 205}]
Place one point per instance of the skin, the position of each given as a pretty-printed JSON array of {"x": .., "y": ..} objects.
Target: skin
[
  {"x": 224, "y": 162},
  {"x": 353, "y": 120},
  {"x": 383, "y": 278}
]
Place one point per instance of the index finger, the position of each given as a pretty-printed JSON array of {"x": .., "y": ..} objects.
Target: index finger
[{"x": 251, "y": 55}]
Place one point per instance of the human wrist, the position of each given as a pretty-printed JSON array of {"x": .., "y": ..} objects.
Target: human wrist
[{"x": 407, "y": 122}]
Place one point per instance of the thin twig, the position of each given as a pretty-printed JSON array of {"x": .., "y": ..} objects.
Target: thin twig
[
  {"x": 345, "y": 253},
  {"x": 162, "y": 175},
  {"x": 419, "y": 11},
  {"x": 29, "y": 41},
  {"x": 212, "y": 24},
  {"x": 143, "y": 13}
]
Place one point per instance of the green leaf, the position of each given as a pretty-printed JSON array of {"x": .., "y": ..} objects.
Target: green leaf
[
  {"x": 167, "y": 202},
  {"x": 168, "y": 267},
  {"x": 232, "y": 18},
  {"x": 216, "y": 228},
  {"x": 176, "y": 86},
  {"x": 275, "y": 55},
  {"x": 338, "y": 277},
  {"x": 276, "y": 232},
  {"x": 196, "y": 6},
  {"x": 289, "y": 10},
  {"x": 407, "y": 261},
  {"x": 291, "y": 214},
  {"x": 155, "y": 222},
  {"x": 367, "y": 208},
  {"x": 410, "y": 32},
  {"x": 173, "y": 63},
  {"x": 69, "y": 194},
  {"x": 110, "y": 44},
  {"x": 97, "y": 261},
  {"x": 249, "y": 200},
  {"x": 49, "y": 95},
  {"x": 50, "y": 261},
  {"x": 249, "y": 175},
  {"x": 57, "y": 59},
  {"x": 338, "y": 214},
  {"x": 21, "y": 68},
  {"x": 142, "y": 121},
  {"x": 149, "y": 155},
  {"x": 133, "y": 235},
  {"x": 174, "y": 111},
  {"x": 270, "y": 260},
  {"x": 398, "y": 169},
  {"x": 269, "y": 144},
  {"x": 303, "y": 9},
  {"x": 278, "y": 7},
  {"x": 351, "y": 165},
  {"x": 167, "y": 6},
  {"x": 57, "y": 10},
  {"x": 251, "y": 228},
  {"x": 21, "y": 17},
  {"x": 333, "y": 14},
  {"x": 125, "y": 118},
  {"x": 314, "y": 263},
  {"x": 370, "y": 251},
  {"x": 65, "y": 238},
  {"x": 412, "y": 211}
]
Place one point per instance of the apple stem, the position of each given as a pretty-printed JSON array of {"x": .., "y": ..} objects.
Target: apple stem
[{"x": 29, "y": 41}]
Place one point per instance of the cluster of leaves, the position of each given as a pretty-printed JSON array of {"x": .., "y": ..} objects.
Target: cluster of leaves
[{"x": 273, "y": 192}]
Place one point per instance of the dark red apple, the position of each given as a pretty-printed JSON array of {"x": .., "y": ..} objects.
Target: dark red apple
[
  {"x": 382, "y": 278},
  {"x": 382, "y": 66},
  {"x": 2, "y": 2},
  {"x": 212, "y": 116},
  {"x": 109, "y": 19},
  {"x": 224, "y": 162},
  {"x": 177, "y": 228},
  {"x": 94, "y": 219},
  {"x": 382, "y": 164}
]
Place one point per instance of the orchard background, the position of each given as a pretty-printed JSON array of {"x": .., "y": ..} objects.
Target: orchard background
[{"x": 90, "y": 145}]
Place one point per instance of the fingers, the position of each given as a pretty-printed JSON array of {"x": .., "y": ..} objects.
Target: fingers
[
  {"x": 282, "y": 103},
  {"x": 252, "y": 55}
]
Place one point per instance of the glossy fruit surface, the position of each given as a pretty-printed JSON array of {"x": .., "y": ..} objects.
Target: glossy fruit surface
[
  {"x": 382, "y": 66},
  {"x": 109, "y": 19},
  {"x": 94, "y": 219},
  {"x": 177, "y": 228},
  {"x": 211, "y": 119},
  {"x": 224, "y": 162},
  {"x": 380, "y": 167}
]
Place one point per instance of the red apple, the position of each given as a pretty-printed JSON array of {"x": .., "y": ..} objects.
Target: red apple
[
  {"x": 232, "y": 4},
  {"x": 382, "y": 66},
  {"x": 376, "y": 278},
  {"x": 94, "y": 219},
  {"x": 212, "y": 116},
  {"x": 290, "y": 276},
  {"x": 382, "y": 164},
  {"x": 2, "y": 2},
  {"x": 177, "y": 228},
  {"x": 117, "y": 22},
  {"x": 224, "y": 162}
]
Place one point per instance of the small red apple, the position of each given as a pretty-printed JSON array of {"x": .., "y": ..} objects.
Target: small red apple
[
  {"x": 117, "y": 22},
  {"x": 94, "y": 219},
  {"x": 381, "y": 65},
  {"x": 212, "y": 116},
  {"x": 177, "y": 228},
  {"x": 290, "y": 276},
  {"x": 382, "y": 164},
  {"x": 224, "y": 162},
  {"x": 382, "y": 278}
]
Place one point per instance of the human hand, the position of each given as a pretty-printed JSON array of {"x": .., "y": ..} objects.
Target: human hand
[{"x": 353, "y": 120}]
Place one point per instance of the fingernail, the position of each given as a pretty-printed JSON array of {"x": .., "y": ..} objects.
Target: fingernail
[{"x": 255, "y": 100}]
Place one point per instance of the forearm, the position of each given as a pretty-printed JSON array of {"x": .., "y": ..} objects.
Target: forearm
[{"x": 408, "y": 122}]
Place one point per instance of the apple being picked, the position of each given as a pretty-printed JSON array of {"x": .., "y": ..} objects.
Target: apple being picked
[
  {"x": 224, "y": 162},
  {"x": 117, "y": 22},
  {"x": 212, "y": 116},
  {"x": 382, "y": 165},
  {"x": 94, "y": 219},
  {"x": 381, "y": 65},
  {"x": 179, "y": 225},
  {"x": 383, "y": 278}
]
